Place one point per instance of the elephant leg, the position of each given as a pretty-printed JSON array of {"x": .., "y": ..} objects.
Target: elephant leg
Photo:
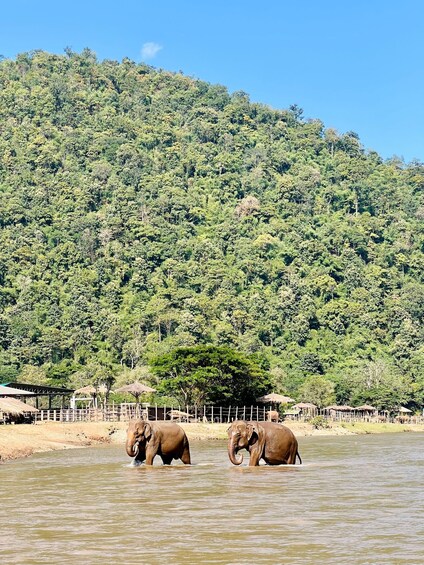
[
  {"x": 254, "y": 458},
  {"x": 167, "y": 459},
  {"x": 150, "y": 455},
  {"x": 185, "y": 457}
]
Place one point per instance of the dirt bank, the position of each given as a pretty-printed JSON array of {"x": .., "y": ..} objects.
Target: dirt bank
[{"x": 24, "y": 440}]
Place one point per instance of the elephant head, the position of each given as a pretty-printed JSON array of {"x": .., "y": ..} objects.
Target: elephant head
[
  {"x": 138, "y": 433},
  {"x": 243, "y": 435}
]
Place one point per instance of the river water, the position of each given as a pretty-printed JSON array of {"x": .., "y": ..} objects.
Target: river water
[{"x": 355, "y": 500}]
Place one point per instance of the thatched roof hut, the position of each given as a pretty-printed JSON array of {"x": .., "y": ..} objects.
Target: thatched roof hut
[
  {"x": 274, "y": 398},
  {"x": 365, "y": 408},
  {"x": 306, "y": 408},
  {"x": 341, "y": 408},
  {"x": 15, "y": 407},
  {"x": 90, "y": 389},
  {"x": 136, "y": 389}
]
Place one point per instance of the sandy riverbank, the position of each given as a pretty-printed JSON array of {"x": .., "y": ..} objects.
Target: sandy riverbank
[{"x": 24, "y": 440}]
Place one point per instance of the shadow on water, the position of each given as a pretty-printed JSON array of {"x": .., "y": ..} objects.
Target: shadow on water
[{"x": 354, "y": 500}]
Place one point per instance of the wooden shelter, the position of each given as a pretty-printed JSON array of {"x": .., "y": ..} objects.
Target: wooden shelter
[
  {"x": 39, "y": 392},
  {"x": 341, "y": 408},
  {"x": 365, "y": 408},
  {"x": 13, "y": 410},
  {"x": 274, "y": 398},
  {"x": 90, "y": 390},
  {"x": 136, "y": 389},
  {"x": 306, "y": 408}
]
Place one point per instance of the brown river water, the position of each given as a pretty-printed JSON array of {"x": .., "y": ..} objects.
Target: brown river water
[{"x": 355, "y": 500}]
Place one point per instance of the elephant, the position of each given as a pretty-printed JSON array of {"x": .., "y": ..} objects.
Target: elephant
[
  {"x": 145, "y": 440},
  {"x": 272, "y": 416},
  {"x": 274, "y": 443}
]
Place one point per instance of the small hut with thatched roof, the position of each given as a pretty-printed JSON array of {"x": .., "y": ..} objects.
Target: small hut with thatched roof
[
  {"x": 14, "y": 411},
  {"x": 306, "y": 408},
  {"x": 136, "y": 389},
  {"x": 340, "y": 412},
  {"x": 274, "y": 398},
  {"x": 404, "y": 414},
  {"x": 90, "y": 393}
]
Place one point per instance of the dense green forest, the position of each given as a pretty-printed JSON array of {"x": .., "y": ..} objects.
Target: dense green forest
[{"x": 142, "y": 211}]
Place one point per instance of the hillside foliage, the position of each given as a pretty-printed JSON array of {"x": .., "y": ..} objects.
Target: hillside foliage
[{"x": 142, "y": 211}]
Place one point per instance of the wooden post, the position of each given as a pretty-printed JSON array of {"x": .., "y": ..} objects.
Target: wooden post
[
  {"x": 251, "y": 413},
  {"x": 236, "y": 411},
  {"x": 229, "y": 414},
  {"x": 156, "y": 411},
  {"x": 220, "y": 414},
  {"x": 212, "y": 413}
]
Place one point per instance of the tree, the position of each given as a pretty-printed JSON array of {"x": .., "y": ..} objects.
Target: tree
[
  {"x": 209, "y": 374},
  {"x": 318, "y": 390},
  {"x": 143, "y": 211}
]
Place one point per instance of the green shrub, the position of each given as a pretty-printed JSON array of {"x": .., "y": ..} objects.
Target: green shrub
[{"x": 319, "y": 422}]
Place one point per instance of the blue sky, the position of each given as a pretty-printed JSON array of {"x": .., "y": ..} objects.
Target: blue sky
[{"x": 357, "y": 66}]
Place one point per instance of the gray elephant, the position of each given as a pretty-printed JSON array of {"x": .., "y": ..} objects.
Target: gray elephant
[
  {"x": 145, "y": 440},
  {"x": 274, "y": 443}
]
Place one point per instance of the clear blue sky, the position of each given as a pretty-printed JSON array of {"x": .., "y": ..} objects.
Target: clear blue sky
[{"x": 356, "y": 65}]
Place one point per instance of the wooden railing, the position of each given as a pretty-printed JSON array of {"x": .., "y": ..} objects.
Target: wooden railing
[
  {"x": 212, "y": 414},
  {"x": 125, "y": 412}
]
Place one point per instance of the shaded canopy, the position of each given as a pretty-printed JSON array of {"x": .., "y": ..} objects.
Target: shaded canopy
[
  {"x": 404, "y": 410},
  {"x": 305, "y": 405},
  {"x": 342, "y": 408},
  {"x": 15, "y": 406},
  {"x": 274, "y": 398},
  {"x": 9, "y": 391},
  {"x": 365, "y": 408},
  {"x": 90, "y": 389},
  {"x": 136, "y": 389}
]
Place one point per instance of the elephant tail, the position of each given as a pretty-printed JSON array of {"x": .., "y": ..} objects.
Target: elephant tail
[{"x": 298, "y": 455}]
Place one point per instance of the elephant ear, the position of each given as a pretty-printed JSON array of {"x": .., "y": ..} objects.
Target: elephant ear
[
  {"x": 147, "y": 430},
  {"x": 252, "y": 429},
  {"x": 257, "y": 441}
]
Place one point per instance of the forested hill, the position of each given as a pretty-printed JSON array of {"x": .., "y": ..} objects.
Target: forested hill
[{"x": 142, "y": 210}]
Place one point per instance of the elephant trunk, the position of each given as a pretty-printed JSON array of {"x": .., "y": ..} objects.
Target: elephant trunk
[
  {"x": 131, "y": 447},
  {"x": 232, "y": 451}
]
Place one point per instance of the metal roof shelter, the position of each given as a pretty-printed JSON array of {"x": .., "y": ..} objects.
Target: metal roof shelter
[
  {"x": 10, "y": 391},
  {"x": 41, "y": 390}
]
